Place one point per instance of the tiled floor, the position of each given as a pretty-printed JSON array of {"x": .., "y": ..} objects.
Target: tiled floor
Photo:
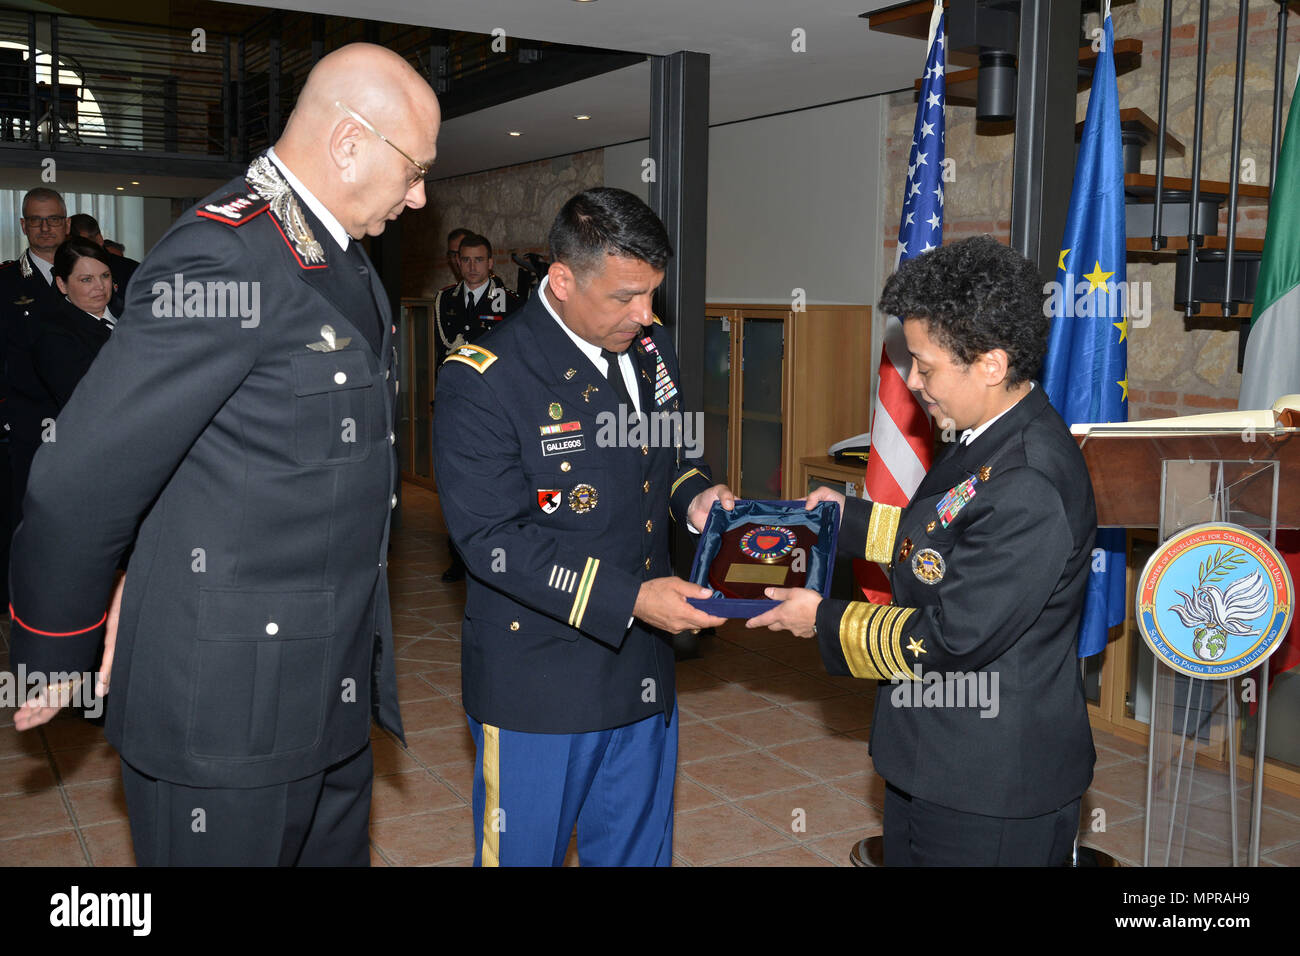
[{"x": 773, "y": 766}]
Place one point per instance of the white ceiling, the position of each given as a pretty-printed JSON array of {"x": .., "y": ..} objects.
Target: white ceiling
[{"x": 753, "y": 69}]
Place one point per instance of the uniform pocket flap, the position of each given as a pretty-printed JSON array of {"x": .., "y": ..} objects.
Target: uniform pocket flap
[
  {"x": 240, "y": 614},
  {"x": 330, "y": 372}
]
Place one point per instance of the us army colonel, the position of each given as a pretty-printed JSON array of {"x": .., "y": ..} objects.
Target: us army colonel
[
  {"x": 241, "y": 418},
  {"x": 566, "y": 664}
]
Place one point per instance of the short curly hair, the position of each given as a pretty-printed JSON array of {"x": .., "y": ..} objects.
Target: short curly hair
[{"x": 974, "y": 296}]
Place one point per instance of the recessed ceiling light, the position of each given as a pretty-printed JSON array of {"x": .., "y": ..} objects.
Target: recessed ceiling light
[
  {"x": 135, "y": 182},
  {"x": 515, "y": 132},
  {"x": 581, "y": 116},
  {"x": 120, "y": 188}
]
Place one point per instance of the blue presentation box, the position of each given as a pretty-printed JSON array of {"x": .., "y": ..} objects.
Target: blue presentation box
[{"x": 824, "y": 520}]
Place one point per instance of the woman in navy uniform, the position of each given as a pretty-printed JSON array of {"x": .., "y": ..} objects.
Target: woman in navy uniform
[
  {"x": 240, "y": 417},
  {"x": 71, "y": 334},
  {"x": 562, "y": 518},
  {"x": 980, "y": 729}
]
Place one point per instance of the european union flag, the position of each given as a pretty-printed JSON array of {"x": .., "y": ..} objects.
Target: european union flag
[{"x": 1086, "y": 370}]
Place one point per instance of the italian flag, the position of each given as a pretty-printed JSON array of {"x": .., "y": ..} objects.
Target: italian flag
[{"x": 1272, "y": 365}]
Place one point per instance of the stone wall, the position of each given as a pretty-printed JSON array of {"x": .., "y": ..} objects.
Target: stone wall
[
  {"x": 1177, "y": 366},
  {"x": 513, "y": 206}
]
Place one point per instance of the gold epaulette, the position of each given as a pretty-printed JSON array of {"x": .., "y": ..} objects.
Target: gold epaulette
[{"x": 881, "y": 531}]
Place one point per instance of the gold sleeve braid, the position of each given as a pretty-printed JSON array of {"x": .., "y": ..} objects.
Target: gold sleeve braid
[
  {"x": 882, "y": 528},
  {"x": 871, "y": 637}
]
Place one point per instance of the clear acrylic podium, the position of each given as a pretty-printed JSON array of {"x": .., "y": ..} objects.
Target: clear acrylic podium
[{"x": 1203, "y": 805}]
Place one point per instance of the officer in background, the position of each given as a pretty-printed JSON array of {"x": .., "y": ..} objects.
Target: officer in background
[
  {"x": 473, "y": 306},
  {"x": 453, "y": 253},
  {"x": 241, "y": 418},
  {"x": 463, "y": 314},
  {"x": 566, "y": 664},
  {"x": 26, "y": 289}
]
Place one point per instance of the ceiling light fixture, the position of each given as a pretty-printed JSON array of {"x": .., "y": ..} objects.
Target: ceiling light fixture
[
  {"x": 515, "y": 132},
  {"x": 581, "y": 116}
]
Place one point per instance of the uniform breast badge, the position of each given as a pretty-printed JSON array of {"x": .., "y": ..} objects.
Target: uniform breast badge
[
  {"x": 928, "y": 566},
  {"x": 583, "y": 498},
  {"x": 548, "y": 499},
  {"x": 331, "y": 342},
  {"x": 555, "y": 411}
]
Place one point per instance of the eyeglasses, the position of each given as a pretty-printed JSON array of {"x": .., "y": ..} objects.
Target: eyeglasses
[
  {"x": 410, "y": 180},
  {"x": 45, "y": 220}
]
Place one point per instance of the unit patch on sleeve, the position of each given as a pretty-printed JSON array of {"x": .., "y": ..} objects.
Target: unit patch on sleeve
[{"x": 475, "y": 356}]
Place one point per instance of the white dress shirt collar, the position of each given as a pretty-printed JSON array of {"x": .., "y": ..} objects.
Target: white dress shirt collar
[
  {"x": 326, "y": 217},
  {"x": 593, "y": 351},
  {"x": 47, "y": 268},
  {"x": 477, "y": 291}
]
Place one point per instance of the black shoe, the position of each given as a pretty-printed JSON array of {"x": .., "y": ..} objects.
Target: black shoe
[{"x": 454, "y": 573}]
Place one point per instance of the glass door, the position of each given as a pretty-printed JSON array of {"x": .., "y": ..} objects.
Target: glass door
[
  {"x": 717, "y": 394},
  {"x": 762, "y": 342}
]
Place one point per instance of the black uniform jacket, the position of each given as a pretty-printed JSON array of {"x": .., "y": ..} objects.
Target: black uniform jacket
[
  {"x": 67, "y": 341},
  {"x": 988, "y": 588},
  {"x": 559, "y": 522},
  {"x": 24, "y": 295},
  {"x": 255, "y": 635},
  {"x": 452, "y": 319}
]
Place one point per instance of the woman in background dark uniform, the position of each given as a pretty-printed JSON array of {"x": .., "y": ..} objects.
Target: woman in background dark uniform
[
  {"x": 59, "y": 343},
  {"x": 71, "y": 336}
]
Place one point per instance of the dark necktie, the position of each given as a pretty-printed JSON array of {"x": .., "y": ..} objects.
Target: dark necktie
[
  {"x": 469, "y": 301},
  {"x": 615, "y": 376}
]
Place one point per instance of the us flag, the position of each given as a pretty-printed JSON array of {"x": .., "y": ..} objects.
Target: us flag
[{"x": 901, "y": 439}]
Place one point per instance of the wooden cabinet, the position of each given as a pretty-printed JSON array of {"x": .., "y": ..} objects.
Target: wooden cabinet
[
  {"x": 780, "y": 386},
  {"x": 846, "y": 477}
]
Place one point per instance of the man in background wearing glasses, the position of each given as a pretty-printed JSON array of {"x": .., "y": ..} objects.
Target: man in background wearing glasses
[
  {"x": 26, "y": 287},
  {"x": 241, "y": 418}
]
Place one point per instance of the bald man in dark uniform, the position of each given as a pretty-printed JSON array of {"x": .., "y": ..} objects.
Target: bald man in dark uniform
[{"x": 241, "y": 418}]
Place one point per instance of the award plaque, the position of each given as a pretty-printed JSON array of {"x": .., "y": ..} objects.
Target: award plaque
[
  {"x": 755, "y": 555},
  {"x": 763, "y": 544}
]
